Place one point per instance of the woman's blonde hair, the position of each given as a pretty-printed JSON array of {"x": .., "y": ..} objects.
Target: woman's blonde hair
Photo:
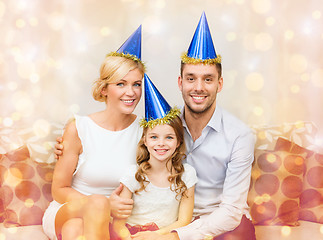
[
  {"x": 112, "y": 70},
  {"x": 177, "y": 168}
]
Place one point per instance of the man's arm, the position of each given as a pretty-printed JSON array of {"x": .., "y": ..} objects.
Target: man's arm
[
  {"x": 235, "y": 191},
  {"x": 58, "y": 147}
]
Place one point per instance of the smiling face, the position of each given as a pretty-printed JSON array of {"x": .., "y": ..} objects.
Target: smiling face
[
  {"x": 199, "y": 85},
  {"x": 124, "y": 95},
  {"x": 161, "y": 142}
]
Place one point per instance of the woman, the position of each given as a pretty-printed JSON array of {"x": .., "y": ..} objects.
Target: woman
[{"x": 97, "y": 150}]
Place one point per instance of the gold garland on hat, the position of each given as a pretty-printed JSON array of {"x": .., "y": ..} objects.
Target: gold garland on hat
[
  {"x": 174, "y": 112},
  {"x": 190, "y": 60},
  {"x": 128, "y": 56}
]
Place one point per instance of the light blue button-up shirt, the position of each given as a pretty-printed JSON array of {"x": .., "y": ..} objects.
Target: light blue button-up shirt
[{"x": 222, "y": 157}]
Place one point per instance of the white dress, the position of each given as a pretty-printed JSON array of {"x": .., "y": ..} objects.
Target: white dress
[
  {"x": 155, "y": 204},
  {"x": 106, "y": 156}
]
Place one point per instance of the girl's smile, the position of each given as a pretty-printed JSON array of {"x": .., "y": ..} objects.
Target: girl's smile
[{"x": 161, "y": 142}]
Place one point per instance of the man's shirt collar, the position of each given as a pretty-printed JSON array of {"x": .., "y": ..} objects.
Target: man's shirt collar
[{"x": 215, "y": 121}]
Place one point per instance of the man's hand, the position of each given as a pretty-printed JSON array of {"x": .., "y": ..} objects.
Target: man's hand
[
  {"x": 120, "y": 207},
  {"x": 148, "y": 235},
  {"x": 58, "y": 147}
]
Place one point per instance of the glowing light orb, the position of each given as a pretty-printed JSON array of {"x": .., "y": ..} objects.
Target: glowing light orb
[
  {"x": 248, "y": 42},
  {"x": 299, "y": 124},
  {"x": 289, "y": 34},
  {"x": 2, "y": 236},
  {"x": 263, "y": 41},
  {"x": 16, "y": 116},
  {"x": 258, "y": 111},
  {"x": 105, "y": 31},
  {"x": 74, "y": 108},
  {"x": 2, "y": 9},
  {"x": 295, "y": 88},
  {"x": 26, "y": 70},
  {"x": 240, "y": 2},
  {"x": 266, "y": 197},
  {"x": 261, "y": 6},
  {"x": 56, "y": 21},
  {"x": 231, "y": 36},
  {"x": 7, "y": 122},
  {"x": 319, "y": 141},
  {"x": 262, "y": 135},
  {"x": 34, "y": 77},
  {"x": 299, "y": 161},
  {"x": 254, "y": 81},
  {"x": 20, "y": 23},
  {"x": 230, "y": 78},
  {"x": 298, "y": 63},
  {"x": 261, "y": 209},
  {"x": 14, "y": 178},
  {"x": 41, "y": 128},
  {"x": 270, "y": 21},
  {"x": 29, "y": 203},
  {"x": 33, "y": 21},
  {"x": 255, "y": 174},
  {"x": 23, "y": 104},
  {"x": 305, "y": 77},
  {"x": 285, "y": 231},
  {"x": 271, "y": 158},
  {"x": 160, "y": 4},
  {"x": 317, "y": 78},
  {"x": 12, "y": 229},
  {"x": 153, "y": 24},
  {"x": 316, "y": 14}
]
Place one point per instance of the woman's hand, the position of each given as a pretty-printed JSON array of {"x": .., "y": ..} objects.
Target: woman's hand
[{"x": 120, "y": 207}]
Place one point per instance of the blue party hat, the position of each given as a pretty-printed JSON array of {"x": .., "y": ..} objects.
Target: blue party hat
[
  {"x": 131, "y": 48},
  {"x": 201, "y": 49},
  {"x": 157, "y": 110}
]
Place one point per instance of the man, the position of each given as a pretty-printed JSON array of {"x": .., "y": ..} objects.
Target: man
[{"x": 219, "y": 146}]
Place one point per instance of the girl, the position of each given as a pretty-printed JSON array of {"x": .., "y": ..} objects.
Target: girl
[
  {"x": 161, "y": 186},
  {"x": 86, "y": 174}
]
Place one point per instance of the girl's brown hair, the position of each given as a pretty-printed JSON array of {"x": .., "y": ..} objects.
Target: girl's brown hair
[{"x": 177, "y": 168}]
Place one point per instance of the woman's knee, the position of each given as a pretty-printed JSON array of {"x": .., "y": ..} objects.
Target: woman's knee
[{"x": 72, "y": 228}]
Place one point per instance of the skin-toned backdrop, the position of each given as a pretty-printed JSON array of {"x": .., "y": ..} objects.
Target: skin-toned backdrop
[{"x": 51, "y": 52}]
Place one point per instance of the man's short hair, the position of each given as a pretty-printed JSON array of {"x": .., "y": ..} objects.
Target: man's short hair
[{"x": 217, "y": 65}]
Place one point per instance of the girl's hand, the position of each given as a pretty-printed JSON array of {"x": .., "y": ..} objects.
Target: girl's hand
[{"x": 120, "y": 207}]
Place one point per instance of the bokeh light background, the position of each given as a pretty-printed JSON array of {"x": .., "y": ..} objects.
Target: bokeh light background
[{"x": 51, "y": 52}]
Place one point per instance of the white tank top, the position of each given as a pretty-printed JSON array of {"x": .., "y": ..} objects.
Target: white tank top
[{"x": 106, "y": 156}]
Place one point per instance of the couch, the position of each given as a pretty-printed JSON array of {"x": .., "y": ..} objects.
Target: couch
[{"x": 285, "y": 196}]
